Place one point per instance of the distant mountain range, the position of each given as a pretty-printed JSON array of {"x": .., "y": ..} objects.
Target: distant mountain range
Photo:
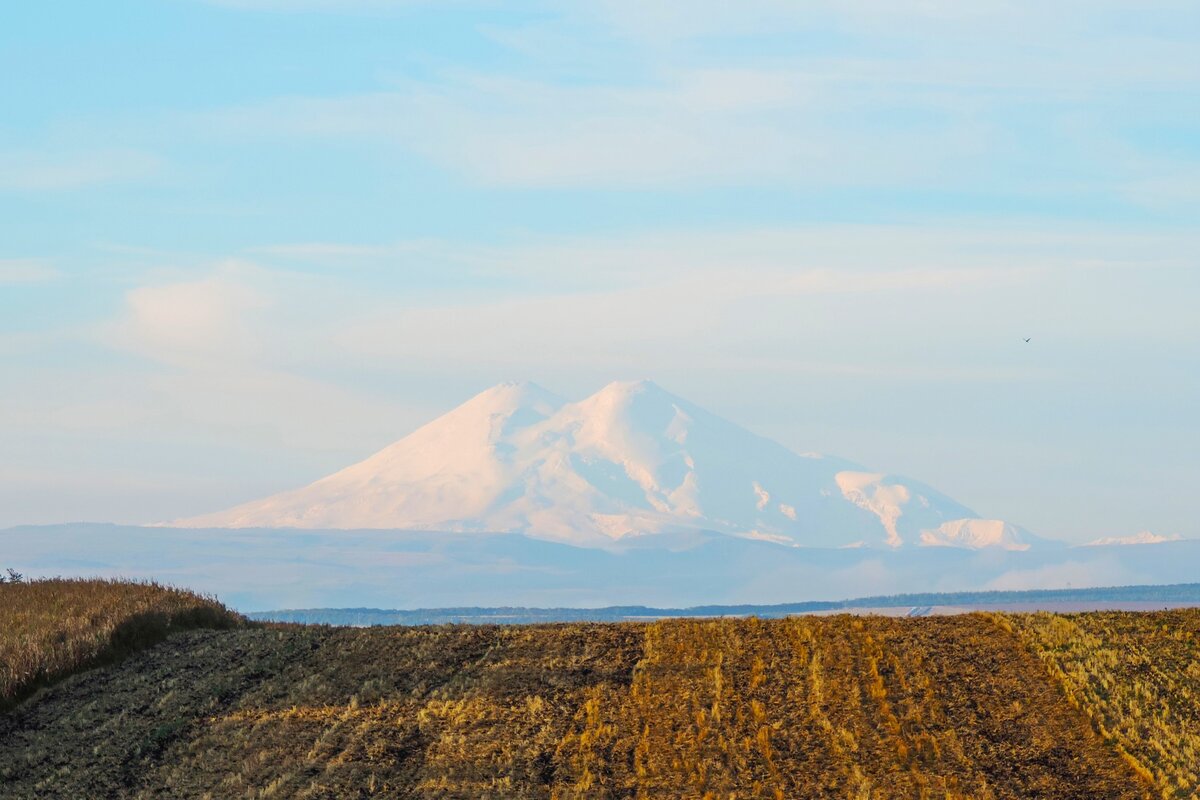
[
  {"x": 630, "y": 461},
  {"x": 258, "y": 569},
  {"x": 632, "y": 496},
  {"x": 1133, "y": 598}
]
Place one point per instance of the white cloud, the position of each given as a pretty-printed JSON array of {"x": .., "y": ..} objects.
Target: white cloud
[
  {"x": 200, "y": 321},
  {"x": 231, "y": 358}
]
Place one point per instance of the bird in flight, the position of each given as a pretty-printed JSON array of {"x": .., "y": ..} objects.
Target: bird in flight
[{"x": 1028, "y": 339}]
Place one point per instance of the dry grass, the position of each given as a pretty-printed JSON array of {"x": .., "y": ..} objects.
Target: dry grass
[
  {"x": 1137, "y": 677},
  {"x": 52, "y": 628}
]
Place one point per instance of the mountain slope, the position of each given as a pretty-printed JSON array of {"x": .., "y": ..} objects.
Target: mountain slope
[{"x": 631, "y": 459}]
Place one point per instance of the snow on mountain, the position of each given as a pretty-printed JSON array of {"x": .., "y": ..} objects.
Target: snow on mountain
[
  {"x": 976, "y": 533},
  {"x": 1141, "y": 537},
  {"x": 630, "y": 460}
]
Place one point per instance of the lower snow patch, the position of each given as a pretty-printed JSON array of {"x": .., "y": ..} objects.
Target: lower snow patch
[
  {"x": 973, "y": 534},
  {"x": 886, "y": 501}
]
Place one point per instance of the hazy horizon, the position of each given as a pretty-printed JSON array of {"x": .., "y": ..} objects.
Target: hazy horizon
[{"x": 245, "y": 243}]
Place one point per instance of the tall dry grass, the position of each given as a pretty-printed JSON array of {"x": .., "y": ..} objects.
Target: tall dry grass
[{"x": 52, "y": 628}]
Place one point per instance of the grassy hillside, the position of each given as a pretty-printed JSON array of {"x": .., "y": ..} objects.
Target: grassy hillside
[
  {"x": 806, "y": 707},
  {"x": 52, "y": 628}
]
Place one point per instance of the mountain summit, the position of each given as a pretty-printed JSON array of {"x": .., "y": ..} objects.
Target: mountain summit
[{"x": 630, "y": 460}]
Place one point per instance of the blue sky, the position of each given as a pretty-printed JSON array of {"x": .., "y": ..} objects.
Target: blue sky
[{"x": 243, "y": 243}]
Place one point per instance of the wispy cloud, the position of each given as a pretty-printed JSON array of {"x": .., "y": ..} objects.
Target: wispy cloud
[
  {"x": 805, "y": 300},
  {"x": 683, "y": 296},
  {"x": 830, "y": 123},
  {"x": 36, "y": 171},
  {"x": 197, "y": 321},
  {"x": 337, "y": 6},
  {"x": 24, "y": 270},
  {"x": 918, "y": 95},
  {"x": 238, "y": 350},
  {"x": 330, "y": 251},
  {"x": 826, "y": 257},
  {"x": 705, "y": 127}
]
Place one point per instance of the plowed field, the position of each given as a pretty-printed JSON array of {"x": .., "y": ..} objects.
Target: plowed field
[{"x": 838, "y": 707}]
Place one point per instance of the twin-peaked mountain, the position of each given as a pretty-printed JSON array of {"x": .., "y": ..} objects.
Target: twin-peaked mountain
[{"x": 630, "y": 460}]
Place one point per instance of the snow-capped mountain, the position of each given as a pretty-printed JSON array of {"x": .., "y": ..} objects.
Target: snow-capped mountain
[
  {"x": 630, "y": 460},
  {"x": 1141, "y": 537}
]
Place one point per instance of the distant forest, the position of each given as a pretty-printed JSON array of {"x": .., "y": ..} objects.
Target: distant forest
[{"x": 1175, "y": 594}]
